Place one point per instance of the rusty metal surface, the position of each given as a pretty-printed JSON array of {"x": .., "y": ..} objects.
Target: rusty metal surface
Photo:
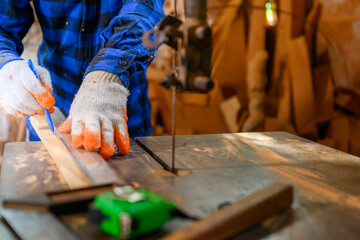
[
  {"x": 27, "y": 168},
  {"x": 229, "y": 166},
  {"x": 220, "y": 171},
  {"x": 5, "y": 233},
  {"x": 139, "y": 168},
  {"x": 226, "y": 167},
  {"x": 30, "y": 225}
]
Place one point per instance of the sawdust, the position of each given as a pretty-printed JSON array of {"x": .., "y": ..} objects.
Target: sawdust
[
  {"x": 308, "y": 184},
  {"x": 179, "y": 173},
  {"x": 19, "y": 166},
  {"x": 179, "y": 200},
  {"x": 135, "y": 184},
  {"x": 41, "y": 154},
  {"x": 30, "y": 179},
  {"x": 52, "y": 168}
]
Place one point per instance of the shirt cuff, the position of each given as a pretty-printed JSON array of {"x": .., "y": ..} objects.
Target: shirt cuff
[
  {"x": 115, "y": 61},
  {"x": 6, "y": 57}
]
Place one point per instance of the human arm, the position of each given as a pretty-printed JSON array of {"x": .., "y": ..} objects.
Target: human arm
[
  {"x": 21, "y": 93},
  {"x": 120, "y": 55}
]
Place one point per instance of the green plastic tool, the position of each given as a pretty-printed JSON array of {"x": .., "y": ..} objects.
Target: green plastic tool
[{"x": 127, "y": 212}]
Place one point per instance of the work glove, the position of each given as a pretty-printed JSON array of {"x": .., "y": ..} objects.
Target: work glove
[
  {"x": 98, "y": 115},
  {"x": 21, "y": 93}
]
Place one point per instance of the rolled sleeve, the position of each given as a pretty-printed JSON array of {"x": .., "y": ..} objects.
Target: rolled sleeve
[{"x": 121, "y": 50}]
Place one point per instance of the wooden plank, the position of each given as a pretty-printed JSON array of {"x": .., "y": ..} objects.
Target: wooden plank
[
  {"x": 256, "y": 69},
  {"x": 340, "y": 131},
  {"x": 230, "y": 28},
  {"x": 64, "y": 160},
  {"x": 94, "y": 167},
  {"x": 277, "y": 100},
  {"x": 324, "y": 94},
  {"x": 230, "y": 110},
  {"x": 302, "y": 88},
  {"x": 240, "y": 215},
  {"x": 298, "y": 13},
  {"x": 257, "y": 26},
  {"x": 311, "y": 28},
  {"x": 348, "y": 98}
]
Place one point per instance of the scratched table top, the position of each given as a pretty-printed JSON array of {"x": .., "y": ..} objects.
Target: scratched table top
[{"x": 224, "y": 167}]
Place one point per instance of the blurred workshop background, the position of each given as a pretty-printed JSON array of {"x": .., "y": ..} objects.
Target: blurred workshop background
[{"x": 296, "y": 69}]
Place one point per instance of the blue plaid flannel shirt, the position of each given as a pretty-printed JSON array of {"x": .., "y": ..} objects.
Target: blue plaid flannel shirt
[{"x": 80, "y": 36}]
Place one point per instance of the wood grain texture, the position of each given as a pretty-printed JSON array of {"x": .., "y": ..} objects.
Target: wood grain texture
[
  {"x": 66, "y": 163},
  {"x": 240, "y": 215},
  {"x": 94, "y": 167},
  {"x": 302, "y": 88}
]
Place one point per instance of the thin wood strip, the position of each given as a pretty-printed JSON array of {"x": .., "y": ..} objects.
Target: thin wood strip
[{"x": 65, "y": 162}]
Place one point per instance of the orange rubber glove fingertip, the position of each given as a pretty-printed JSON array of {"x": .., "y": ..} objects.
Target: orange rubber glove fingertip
[
  {"x": 51, "y": 110},
  {"x": 92, "y": 140},
  {"x": 78, "y": 141},
  {"x": 107, "y": 150},
  {"x": 65, "y": 127},
  {"x": 122, "y": 143},
  {"x": 46, "y": 100}
]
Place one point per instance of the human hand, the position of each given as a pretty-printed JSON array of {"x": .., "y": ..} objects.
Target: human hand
[
  {"x": 21, "y": 93},
  {"x": 98, "y": 115}
]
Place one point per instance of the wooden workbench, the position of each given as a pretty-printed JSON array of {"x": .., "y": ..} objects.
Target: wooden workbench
[{"x": 224, "y": 167}]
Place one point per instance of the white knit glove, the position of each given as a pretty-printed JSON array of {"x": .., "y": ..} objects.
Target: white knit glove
[
  {"x": 98, "y": 115},
  {"x": 21, "y": 93}
]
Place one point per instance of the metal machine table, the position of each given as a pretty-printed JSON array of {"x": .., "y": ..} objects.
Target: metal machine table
[{"x": 224, "y": 168}]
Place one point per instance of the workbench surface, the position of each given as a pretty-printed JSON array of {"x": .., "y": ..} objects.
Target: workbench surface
[{"x": 224, "y": 168}]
